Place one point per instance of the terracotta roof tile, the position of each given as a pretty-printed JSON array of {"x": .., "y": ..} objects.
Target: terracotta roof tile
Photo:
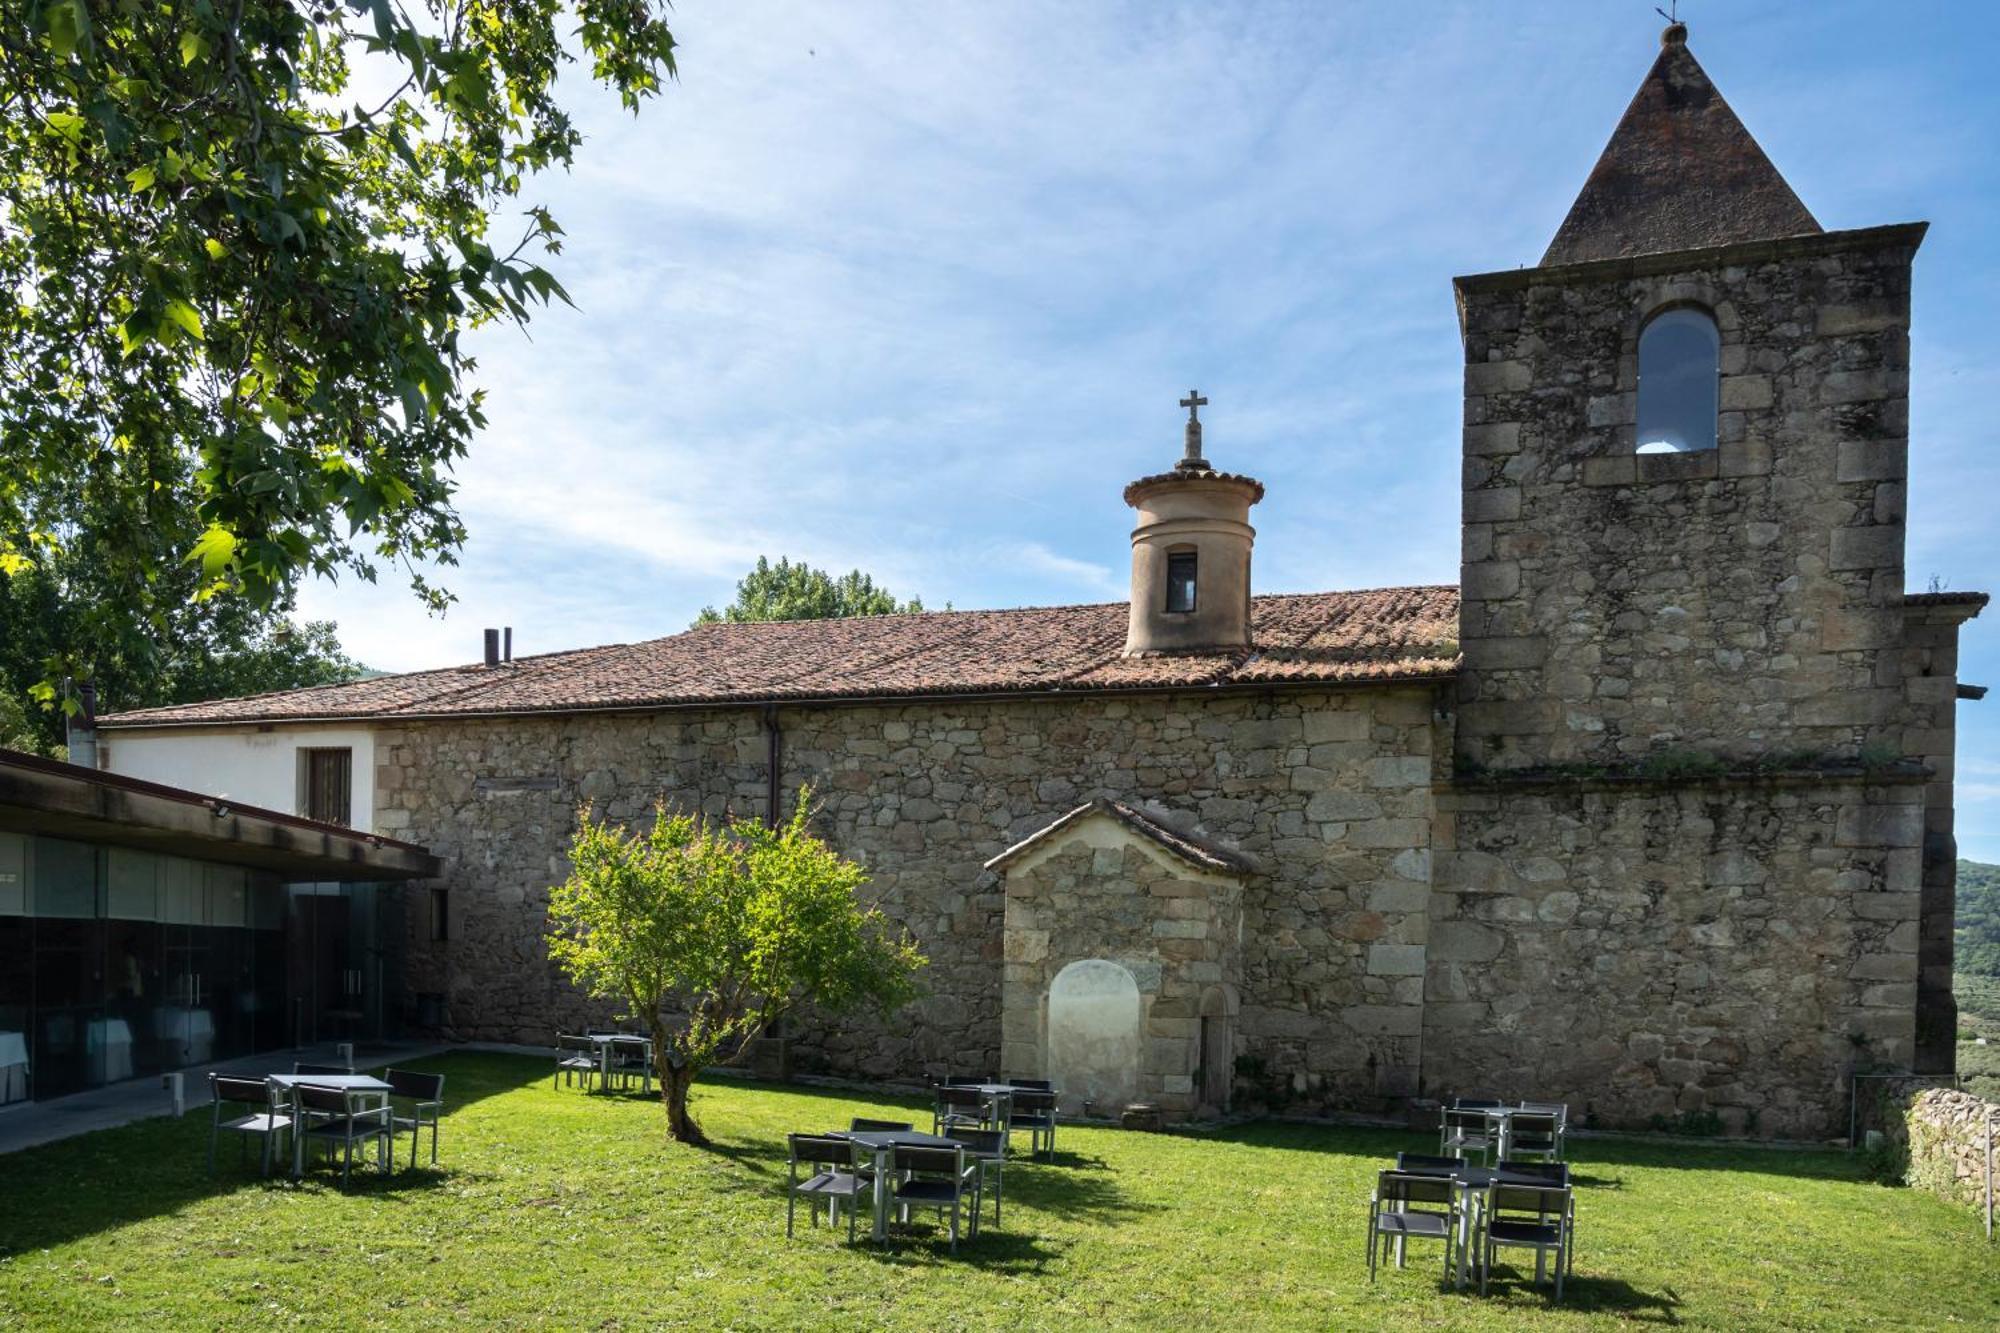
[
  {"x": 1380, "y": 634},
  {"x": 1200, "y": 852}
]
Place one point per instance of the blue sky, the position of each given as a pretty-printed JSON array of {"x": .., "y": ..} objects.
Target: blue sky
[{"x": 913, "y": 287}]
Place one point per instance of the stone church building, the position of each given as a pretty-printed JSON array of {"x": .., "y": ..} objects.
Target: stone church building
[{"x": 1652, "y": 813}]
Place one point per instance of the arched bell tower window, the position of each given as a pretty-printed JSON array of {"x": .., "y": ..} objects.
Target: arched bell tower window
[{"x": 1680, "y": 367}]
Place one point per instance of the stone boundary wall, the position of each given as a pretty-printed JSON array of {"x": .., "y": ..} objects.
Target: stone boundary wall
[{"x": 1943, "y": 1131}]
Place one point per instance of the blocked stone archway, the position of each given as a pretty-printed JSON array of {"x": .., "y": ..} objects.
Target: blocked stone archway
[
  {"x": 1093, "y": 1025},
  {"x": 1116, "y": 926}
]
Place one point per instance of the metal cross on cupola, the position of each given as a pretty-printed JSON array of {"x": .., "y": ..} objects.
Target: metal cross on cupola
[{"x": 1191, "y": 459}]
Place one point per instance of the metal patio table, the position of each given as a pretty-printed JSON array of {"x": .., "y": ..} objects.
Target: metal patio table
[
  {"x": 344, "y": 1082},
  {"x": 881, "y": 1143},
  {"x": 607, "y": 1042},
  {"x": 1001, "y": 1095}
]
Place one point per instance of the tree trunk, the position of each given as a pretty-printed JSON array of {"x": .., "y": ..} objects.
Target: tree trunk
[{"x": 675, "y": 1080}]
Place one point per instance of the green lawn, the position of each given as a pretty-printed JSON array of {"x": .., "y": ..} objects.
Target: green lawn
[{"x": 556, "y": 1207}]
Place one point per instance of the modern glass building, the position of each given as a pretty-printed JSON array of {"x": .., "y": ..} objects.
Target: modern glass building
[{"x": 146, "y": 928}]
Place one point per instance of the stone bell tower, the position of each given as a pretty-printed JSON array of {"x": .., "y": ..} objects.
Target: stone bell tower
[
  {"x": 1191, "y": 553},
  {"x": 1695, "y": 701},
  {"x": 1685, "y": 441}
]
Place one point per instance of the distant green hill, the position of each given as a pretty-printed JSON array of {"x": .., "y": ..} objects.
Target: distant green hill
[{"x": 1976, "y": 952}]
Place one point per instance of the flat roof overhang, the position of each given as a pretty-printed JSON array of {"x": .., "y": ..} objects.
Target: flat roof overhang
[{"x": 67, "y": 801}]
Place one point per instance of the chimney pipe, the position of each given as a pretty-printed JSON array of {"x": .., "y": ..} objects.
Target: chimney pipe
[
  {"x": 492, "y": 647},
  {"x": 507, "y": 644},
  {"x": 80, "y": 730}
]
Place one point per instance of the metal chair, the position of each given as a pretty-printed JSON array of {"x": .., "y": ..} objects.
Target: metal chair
[
  {"x": 1552, "y": 1173},
  {"x": 424, "y": 1095},
  {"x": 987, "y": 1147},
  {"x": 1537, "y": 1217},
  {"x": 1034, "y": 1111},
  {"x": 1407, "y": 1206},
  {"x": 1462, "y": 1130},
  {"x": 936, "y": 1178},
  {"x": 1032, "y": 1084},
  {"x": 632, "y": 1059},
  {"x": 862, "y": 1124},
  {"x": 576, "y": 1057},
  {"x": 306, "y": 1067},
  {"x": 838, "y": 1176},
  {"x": 1560, "y": 1110},
  {"x": 340, "y": 1117},
  {"x": 1535, "y": 1134},
  {"x": 270, "y": 1119},
  {"x": 958, "y": 1105},
  {"x": 1424, "y": 1164}
]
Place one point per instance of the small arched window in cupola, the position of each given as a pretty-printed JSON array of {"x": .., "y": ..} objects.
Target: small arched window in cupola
[
  {"x": 1680, "y": 366},
  {"x": 1180, "y": 580}
]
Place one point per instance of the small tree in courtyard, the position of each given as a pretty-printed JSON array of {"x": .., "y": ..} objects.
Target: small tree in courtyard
[{"x": 711, "y": 930}]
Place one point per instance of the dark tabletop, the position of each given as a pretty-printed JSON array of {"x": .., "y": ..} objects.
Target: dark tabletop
[
  {"x": 1479, "y": 1177},
  {"x": 879, "y": 1139}
]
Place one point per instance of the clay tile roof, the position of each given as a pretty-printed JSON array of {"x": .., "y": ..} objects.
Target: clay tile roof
[
  {"x": 1187, "y": 474},
  {"x": 1382, "y": 634},
  {"x": 1680, "y": 173},
  {"x": 1198, "y": 852}
]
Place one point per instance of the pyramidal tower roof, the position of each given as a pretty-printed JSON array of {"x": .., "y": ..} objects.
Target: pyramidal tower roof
[{"x": 1680, "y": 173}]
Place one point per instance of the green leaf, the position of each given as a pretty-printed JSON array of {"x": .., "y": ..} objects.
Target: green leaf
[
  {"x": 67, "y": 25},
  {"x": 141, "y": 179},
  {"x": 216, "y": 249},
  {"x": 185, "y": 316},
  {"x": 193, "y": 46},
  {"x": 214, "y": 551},
  {"x": 66, "y": 125}
]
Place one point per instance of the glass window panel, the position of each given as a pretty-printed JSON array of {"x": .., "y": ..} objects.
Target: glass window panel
[
  {"x": 65, "y": 879},
  {"x": 226, "y": 897},
  {"x": 13, "y": 875},
  {"x": 132, "y": 889},
  {"x": 180, "y": 892},
  {"x": 1680, "y": 356},
  {"x": 1180, "y": 581},
  {"x": 17, "y": 988},
  {"x": 267, "y": 905}
]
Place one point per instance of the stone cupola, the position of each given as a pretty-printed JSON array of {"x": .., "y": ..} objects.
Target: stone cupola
[{"x": 1191, "y": 553}]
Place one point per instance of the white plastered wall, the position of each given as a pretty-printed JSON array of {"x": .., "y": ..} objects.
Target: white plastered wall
[{"x": 257, "y": 767}]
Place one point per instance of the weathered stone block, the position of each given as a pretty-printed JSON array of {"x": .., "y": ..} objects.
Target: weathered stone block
[
  {"x": 1490, "y": 580},
  {"x": 1490, "y": 377},
  {"x": 1878, "y": 545},
  {"x": 1395, "y": 960}
]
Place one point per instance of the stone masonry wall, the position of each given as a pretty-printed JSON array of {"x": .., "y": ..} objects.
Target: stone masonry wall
[
  {"x": 1328, "y": 791},
  {"x": 1744, "y": 600},
  {"x": 1098, "y": 894},
  {"x": 1943, "y": 1134},
  {"x": 1720, "y": 954}
]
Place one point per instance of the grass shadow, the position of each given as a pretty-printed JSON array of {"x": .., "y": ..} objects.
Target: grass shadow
[
  {"x": 1593, "y": 1161},
  {"x": 1006, "y": 1253},
  {"x": 1585, "y": 1294},
  {"x": 111, "y": 1178}
]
